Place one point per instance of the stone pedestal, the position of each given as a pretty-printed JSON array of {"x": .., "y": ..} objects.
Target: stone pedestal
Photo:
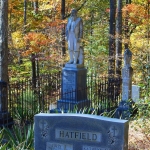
[{"x": 74, "y": 89}]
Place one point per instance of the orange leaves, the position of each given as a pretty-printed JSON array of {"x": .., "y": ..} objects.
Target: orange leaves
[
  {"x": 54, "y": 23},
  {"x": 13, "y": 7},
  {"x": 35, "y": 42},
  {"x": 136, "y": 13},
  {"x": 57, "y": 23},
  {"x": 107, "y": 10},
  {"x": 36, "y": 39}
]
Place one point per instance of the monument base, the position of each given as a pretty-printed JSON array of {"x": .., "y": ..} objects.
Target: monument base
[
  {"x": 74, "y": 86},
  {"x": 5, "y": 120},
  {"x": 73, "y": 89},
  {"x": 70, "y": 106},
  {"x": 124, "y": 110}
]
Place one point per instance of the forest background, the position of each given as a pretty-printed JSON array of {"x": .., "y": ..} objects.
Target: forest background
[
  {"x": 36, "y": 36},
  {"x": 36, "y": 46}
]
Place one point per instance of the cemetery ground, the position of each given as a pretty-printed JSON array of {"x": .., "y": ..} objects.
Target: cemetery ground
[
  {"x": 23, "y": 136},
  {"x": 139, "y": 137}
]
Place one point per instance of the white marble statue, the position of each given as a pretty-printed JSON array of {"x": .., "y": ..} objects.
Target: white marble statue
[{"x": 74, "y": 34}]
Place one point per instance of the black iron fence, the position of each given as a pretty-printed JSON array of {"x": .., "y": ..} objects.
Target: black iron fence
[{"x": 26, "y": 99}]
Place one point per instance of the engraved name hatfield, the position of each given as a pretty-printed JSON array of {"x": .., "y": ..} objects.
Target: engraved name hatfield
[{"x": 78, "y": 135}]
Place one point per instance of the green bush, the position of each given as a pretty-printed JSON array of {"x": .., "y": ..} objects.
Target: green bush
[
  {"x": 20, "y": 137},
  {"x": 3, "y": 145},
  {"x": 27, "y": 105},
  {"x": 141, "y": 121}
]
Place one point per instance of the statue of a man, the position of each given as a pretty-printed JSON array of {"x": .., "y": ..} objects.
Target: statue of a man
[{"x": 74, "y": 34}]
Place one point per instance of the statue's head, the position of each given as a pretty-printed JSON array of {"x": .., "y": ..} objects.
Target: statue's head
[
  {"x": 128, "y": 53},
  {"x": 127, "y": 58},
  {"x": 73, "y": 14}
]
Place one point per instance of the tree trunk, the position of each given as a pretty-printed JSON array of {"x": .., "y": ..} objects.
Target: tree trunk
[
  {"x": 3, "y": 53},
  {"x": 25, "y": 14},
  {"x": 4, "y": 40},
  {"x": 111, "y": 70},
  {"x": 127, "y": 27},
  {"x": 148, "y": 38},
  {"x": 36, "y": 6},
  {"x": 119, "y": 39},
  {"x": 128, "y": 1},
  {"x": 35, "y": 71},
  {"x": 111, "y": 65},
  {"x": 63, "y": 29}
]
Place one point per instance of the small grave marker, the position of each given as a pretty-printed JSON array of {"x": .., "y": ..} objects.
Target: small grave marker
[
  {"x": 135, "y": 93},
  {"x": 79, "y": 132}
]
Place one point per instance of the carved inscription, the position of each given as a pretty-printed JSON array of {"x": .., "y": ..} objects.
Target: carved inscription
[
  {"x": 69, "y": 79},
  {"x": 69, "y": 84},
  {"x": 93, "y": 148},
  {"x": 112, "y": 135},
  {"x": 58, "y": 146},
  {"x": 78, "y": 135},
  {"x": 44, "y": 128}
]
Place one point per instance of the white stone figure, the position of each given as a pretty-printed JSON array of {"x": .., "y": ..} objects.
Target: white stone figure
[{"x": 74, "y": 34}]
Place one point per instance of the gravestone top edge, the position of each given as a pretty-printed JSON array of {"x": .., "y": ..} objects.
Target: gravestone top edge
[
  {"x": 82, "y": 116},
  {"x": 134, "y": 85}
]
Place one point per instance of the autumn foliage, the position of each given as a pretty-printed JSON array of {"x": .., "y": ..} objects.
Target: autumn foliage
[
  {"x": 41, "y": 32},
  {"x": 35, "y": 42},
  {"x": 136, "y": 13}
]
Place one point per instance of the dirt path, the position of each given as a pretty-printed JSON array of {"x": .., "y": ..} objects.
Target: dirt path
[{"x": 137, "y": 139}]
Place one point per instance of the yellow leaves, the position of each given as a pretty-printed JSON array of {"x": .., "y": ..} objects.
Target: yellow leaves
[
  {"x": 17, "y": 39},
  {"x": 47, "y": 4},
  {"x": 138, "y": 40},
  {"x": 140, "y": 1}
]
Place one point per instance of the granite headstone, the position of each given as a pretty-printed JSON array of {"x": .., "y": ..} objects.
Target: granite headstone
[
  {"x": 124, "y": 109},
  {"x": 79, "y": 132},
  {"x": 127, "y": 73}
]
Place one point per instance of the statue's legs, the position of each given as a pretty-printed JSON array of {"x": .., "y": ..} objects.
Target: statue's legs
[
  {"x": 81, "y": 56},
  {"x": 71, "y": 57},
  {"x": 76, "y": 50},
  {"x": 76, "y": 55},
  {"x": 74, "y": 47}
]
